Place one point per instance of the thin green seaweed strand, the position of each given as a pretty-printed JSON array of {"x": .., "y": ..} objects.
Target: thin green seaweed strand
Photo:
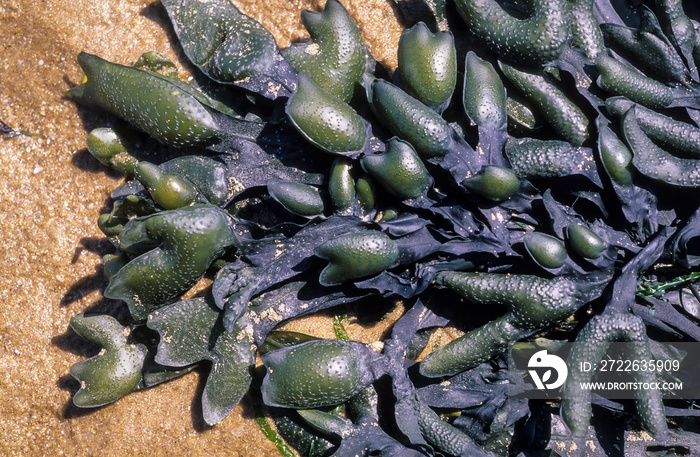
[
  {"x": 650, "y": 287},
  {"x": 339, "y": 321},
  {"x": 272, "y": 435}
]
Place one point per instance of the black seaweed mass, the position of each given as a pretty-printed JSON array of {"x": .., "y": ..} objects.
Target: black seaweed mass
[{"x": 554, "y": 196}]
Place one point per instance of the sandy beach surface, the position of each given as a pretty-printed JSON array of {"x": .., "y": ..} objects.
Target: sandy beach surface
[{"x": 51, "y": 193}]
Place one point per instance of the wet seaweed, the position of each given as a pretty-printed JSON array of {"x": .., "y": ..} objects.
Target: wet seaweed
[{"x": 332, "y": 186}]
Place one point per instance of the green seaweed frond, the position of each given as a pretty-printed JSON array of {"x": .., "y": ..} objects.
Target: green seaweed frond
[
  {"x": 650, "y": 286},
  {"x": 339, "y": 321},
  {"x": 272, "y": 435}
]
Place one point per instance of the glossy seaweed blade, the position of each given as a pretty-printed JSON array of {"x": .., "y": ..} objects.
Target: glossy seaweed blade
[
  {"x": 295, "y": 299},
  {"x": 595, "y": 241},
  {"x": 683, "y": 251},
  {"x": 365, "y": 436},
  {"x": 638, "y": 205},
  {"x": 624, "y": 288},
  {"x": 191, "y": 331},
  {"x": 273, "y": 260},
  {"x": 431, "y": 12},
  {"x": 406, "y": 409},
  {"x": 256, "y": 153},
  {"x": 230, "y": 47}
]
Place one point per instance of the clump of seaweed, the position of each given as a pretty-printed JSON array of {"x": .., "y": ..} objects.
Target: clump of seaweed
[{"x": 562, "y": 176}]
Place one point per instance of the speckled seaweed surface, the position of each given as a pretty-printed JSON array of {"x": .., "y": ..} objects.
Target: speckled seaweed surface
[{"x": 51, "y": 193}]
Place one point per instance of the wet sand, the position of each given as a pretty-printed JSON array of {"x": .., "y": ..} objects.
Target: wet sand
[{"x": 51, "y": 193}]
